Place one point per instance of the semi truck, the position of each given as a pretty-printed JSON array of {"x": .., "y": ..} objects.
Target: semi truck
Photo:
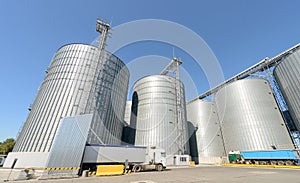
[
  {"x": 2, "y": 159},
  {"x": 265, "y": 157},
  {"x": 135, "y": 158}
]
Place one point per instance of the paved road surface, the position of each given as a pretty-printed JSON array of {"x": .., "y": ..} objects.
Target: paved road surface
[{"x": 202, "y": 174}]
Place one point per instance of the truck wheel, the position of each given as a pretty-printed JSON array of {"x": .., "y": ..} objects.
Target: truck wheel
[
  {"x": 159, "y": 167},
  {"x": 262, "y": 162},
  {"x": 280, "y": 163},
  {"x": 289, "y": 163},
  {"x": 137, "y": 168}
]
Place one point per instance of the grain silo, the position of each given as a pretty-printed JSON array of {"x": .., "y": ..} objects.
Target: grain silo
[
  {"x": 203, "y": 115},
  {"x": 287, "y": 75},
  {"x": 74, "y": 86},
  {"x": 157, "y": 121},
  {"x": 250, "y": 117}
]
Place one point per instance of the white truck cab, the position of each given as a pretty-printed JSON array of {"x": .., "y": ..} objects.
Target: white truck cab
[
  {"x": 2, "y": 159},
  {"x": 156, "y": 156}
]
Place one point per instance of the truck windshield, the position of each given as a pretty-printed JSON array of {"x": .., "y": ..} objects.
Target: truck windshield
[{"x": 163, "y": 154}]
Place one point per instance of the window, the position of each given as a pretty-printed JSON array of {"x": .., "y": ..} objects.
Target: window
[{"x": 183, "y": 159}]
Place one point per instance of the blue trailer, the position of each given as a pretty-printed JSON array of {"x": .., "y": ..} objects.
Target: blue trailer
[{"x": 265, "y": 157}]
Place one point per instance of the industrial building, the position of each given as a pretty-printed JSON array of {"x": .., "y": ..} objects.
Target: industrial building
[
  {"x": 81, "y": 79},
  {"x": 250, "y": 117},
  {"x": 254, "y": 114},
  {"x": 157, "y": 120},
  {"x": 83, "y": 102},
  {"x": 287, "y": 75},
  {"x": 209, "y": 146},
  {"x": 69, "y": 89}
]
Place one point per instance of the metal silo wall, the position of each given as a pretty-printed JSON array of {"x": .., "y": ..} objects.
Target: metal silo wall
[
  {"x": 65, "y": 91},
  {"x": 287, "y": 75},
  {"x": 203, "y": 115},
  {"x": 250, "y": 117},
  {"x": 110, "y": 95},
  {"x": 156, "y": 120}
]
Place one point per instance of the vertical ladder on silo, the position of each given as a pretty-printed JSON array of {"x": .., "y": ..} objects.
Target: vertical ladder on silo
[
  {"x": 174, "y": 65},
  {"x": 103, "y": 28}
]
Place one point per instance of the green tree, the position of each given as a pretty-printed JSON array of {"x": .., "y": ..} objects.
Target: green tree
[{"x": 7, "y": 146}]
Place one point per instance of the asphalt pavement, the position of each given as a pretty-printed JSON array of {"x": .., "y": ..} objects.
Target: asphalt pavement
[{"x": 198, "y": 174}]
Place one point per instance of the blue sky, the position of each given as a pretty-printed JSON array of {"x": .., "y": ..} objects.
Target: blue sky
[{"x": 239, "y": 32}]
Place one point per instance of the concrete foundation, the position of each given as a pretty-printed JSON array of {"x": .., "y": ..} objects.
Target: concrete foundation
[{"x": 35, "y": 160}]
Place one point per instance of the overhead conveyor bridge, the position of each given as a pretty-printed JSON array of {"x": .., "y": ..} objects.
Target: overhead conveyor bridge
[{"x": 259, "y": 67}]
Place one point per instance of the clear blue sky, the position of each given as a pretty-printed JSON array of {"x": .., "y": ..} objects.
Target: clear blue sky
[{"x": 239, "y": 32}]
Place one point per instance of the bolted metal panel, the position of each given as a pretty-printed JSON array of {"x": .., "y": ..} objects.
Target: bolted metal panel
[
  {"x": 67, "y": 90},
  {"x": 157, "y": 122},
  {"x": 250, "y": 117},
  {"x": 287, "y": 75},
  {"x": 69, "y": 144},
  {"x": 203, "y": 115},
  {"x": 110, "y": 101}
]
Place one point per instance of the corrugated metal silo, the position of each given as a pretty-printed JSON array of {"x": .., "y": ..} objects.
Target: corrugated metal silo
[
  {"x": 74, "y": 86},
  {"x": 203, "y": 115},
  {"x": 157, "y": 121},
  {"x": 287, "y": 75},
  {"x": 250, "y": 117}
]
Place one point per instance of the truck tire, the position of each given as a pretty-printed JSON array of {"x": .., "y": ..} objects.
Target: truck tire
[
  {"x": 262, "y": 162},
  {"x": 159, "y": 167},
  {"x": 233, "y": 162},
  {"x": 137, "y": 168},
  {"x": 280, "y": 162},
  {"x": 289, "y": 163}
]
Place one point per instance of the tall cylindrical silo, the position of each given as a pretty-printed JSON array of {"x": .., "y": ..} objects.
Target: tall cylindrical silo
[
  {"x": 250, "y": 117},
  {"x": 203, "y": 115},
  {"x": 157, "y": 121},
  {"x": 74, "y": 86},
  {"x": 287, "y": 75}
]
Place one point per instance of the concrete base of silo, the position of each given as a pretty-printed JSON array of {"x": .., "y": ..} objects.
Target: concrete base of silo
[
  {"x": 215, "y": 160},
  {"x": 26, "y": 160}
]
